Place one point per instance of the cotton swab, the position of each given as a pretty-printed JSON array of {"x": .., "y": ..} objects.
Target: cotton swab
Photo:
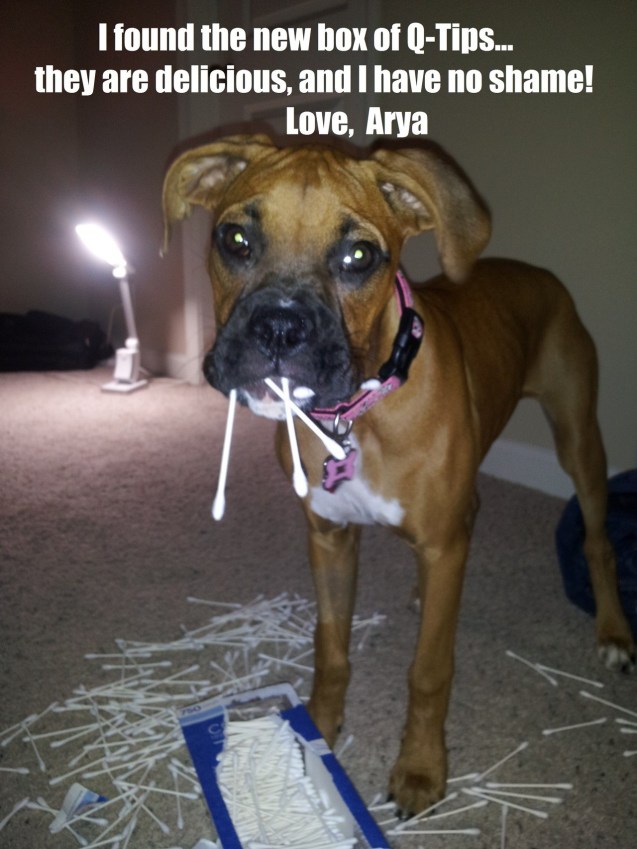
[
  {"x": 474, "y": 791},
  {"x": 334, "y": 447},
  {"x": 607, "y": 703},
  {"x": 553, "y": 800},
  {"x": 298, "y": 475},
  {"x": 302, "y": 393},
  {"x": 219, "y": 503},
  {"x": 503, "y": 833},
  {"x": 491, "y": 769},
  {"x": 534, "y": 666},
  {"x": 479, "y": 804},
  {"x": 16, "y": 808},
  {"x": 542, "y": 667},
  {"x": 548, "y": 731},
  {"x": 471, "y": 832},
  {"x": 559, "y": 786}
]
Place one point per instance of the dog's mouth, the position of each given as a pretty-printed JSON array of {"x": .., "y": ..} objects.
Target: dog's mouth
[{"x": 263, "y": 401}]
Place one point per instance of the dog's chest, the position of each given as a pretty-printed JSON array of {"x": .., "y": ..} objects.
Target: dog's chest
[{"x": 355, "y": 501}]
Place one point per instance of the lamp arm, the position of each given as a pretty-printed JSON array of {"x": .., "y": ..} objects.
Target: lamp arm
[{"x": 124, "y": 289}]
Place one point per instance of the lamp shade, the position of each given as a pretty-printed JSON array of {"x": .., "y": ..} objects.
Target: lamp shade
[{"x": 101, "y": 244}]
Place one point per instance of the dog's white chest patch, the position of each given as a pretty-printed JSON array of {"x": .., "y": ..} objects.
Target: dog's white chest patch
[{"x": 356, "y": 502}]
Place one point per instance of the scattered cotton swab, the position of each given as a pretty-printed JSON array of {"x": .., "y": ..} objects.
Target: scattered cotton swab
[
  {"x": 469, "y": 776},
  {"x": 548, "y": 731},
  {"x": 479, "y": 804},
  {"x": 30, "y": 740},
  {"x": 16, "y": 808},
  {"x": 490, "y": 797},
  {"x": 559, "y": 786},
  {"x": 15, "y": 730},
  {"x": 512, "y": 754},
  {"x": 553, "y": 800},
  {"x": 541, "y": 667},
  {"x": 471, "y": 832},
  {"x": 175, "y": 774},
  {"x": 345, "y": 746},
  {"x": 607, "y": 703},
  {"x": 334, "y": 447},
  {"x": 219, "y": 503},
  {"x": 298, "y": 475},
  {"x": 534, "y": 666},
  {"x": 503, "y": 831}
]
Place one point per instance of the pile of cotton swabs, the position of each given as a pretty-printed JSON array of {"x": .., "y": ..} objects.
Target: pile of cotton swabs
[
  {"x": 123, "y": 738},
  {"x": 271, "y": 799}
]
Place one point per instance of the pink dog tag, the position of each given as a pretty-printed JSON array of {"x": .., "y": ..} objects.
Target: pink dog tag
[{"x": 336, "y": 471}]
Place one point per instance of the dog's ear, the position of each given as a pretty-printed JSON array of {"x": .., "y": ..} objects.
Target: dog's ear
[
  {"x": 426, "y": 191},
  {"x": 202, "y": 174}
]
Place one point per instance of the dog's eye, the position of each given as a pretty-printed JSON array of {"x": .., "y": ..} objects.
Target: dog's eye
[
  {"x": 353, "y": 262},
  {"x": 359, "y": 258},
  {"x": 235, "y": 241}
]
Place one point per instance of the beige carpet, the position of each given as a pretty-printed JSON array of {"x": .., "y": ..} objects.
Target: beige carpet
[{"x": 105, "y": 530}]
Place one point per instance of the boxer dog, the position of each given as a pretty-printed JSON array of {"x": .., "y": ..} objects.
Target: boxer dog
[{"x": 304, "y": 261}]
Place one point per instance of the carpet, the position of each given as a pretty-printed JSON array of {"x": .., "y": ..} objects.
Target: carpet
[{"x": 105, "y": 532}]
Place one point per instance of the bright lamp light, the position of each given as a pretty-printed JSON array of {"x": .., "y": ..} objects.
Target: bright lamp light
[
  {"x": 127, "y": 360},
  {"x": 101, "y": 244}
]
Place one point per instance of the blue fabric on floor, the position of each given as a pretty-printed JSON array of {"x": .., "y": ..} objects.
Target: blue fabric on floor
[{"x": 621, "y": 525}]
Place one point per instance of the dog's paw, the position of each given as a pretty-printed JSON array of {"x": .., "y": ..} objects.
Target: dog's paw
[
  {"x": 620, "y": 658},
  {"x": 414, "y": 790}
]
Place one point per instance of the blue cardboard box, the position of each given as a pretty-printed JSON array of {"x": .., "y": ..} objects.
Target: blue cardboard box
[{"x": 203, "y": 726}]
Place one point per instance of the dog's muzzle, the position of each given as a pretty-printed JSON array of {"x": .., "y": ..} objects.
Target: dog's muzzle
[
  {"x": 280, "y": 332},
  {"x": 272, "y": 334}
]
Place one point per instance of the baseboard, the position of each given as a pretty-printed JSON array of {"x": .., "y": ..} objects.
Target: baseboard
[
  {"x": 529, "y": 465},
  {"x": 178, "y": 366}
]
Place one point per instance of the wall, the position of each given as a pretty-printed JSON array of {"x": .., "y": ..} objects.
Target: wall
[
  {"x": 559, "y": 172},
  {"x": 68, "y": 157},
  {"x": 38, "y": 164}
]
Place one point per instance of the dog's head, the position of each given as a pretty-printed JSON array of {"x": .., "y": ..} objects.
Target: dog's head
[{"x": 304, "y": 250}]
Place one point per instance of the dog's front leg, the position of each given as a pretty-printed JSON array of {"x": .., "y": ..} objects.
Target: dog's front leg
[
  {"x": 334, "y": 560},
  {"x": 420, "y": 773}
]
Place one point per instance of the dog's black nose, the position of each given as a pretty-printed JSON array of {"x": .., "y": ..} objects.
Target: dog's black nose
[{"x": 279, "y": 332}]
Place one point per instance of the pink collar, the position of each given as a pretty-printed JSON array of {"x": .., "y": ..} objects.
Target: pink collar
[{"x": 393, "y": 373}]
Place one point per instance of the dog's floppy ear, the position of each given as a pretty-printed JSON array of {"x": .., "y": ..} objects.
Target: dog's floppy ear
[
  {"x": 200, "y": 175},
  {"x": 426, "y": 191}
]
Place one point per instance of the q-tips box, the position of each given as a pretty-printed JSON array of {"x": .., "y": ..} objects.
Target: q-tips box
[{"x": 269, "y": 778}]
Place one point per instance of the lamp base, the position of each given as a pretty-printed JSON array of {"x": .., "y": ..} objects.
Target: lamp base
[
  {"x": 127, "y": 368},
  {"x": 123, "y": 386}
]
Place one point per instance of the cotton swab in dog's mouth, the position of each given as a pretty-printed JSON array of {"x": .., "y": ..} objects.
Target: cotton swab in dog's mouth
[
  {"x": 298, "y": 475},
  {"x": 291, "y": 410},
  {"x": 219, "y": 503},
  {"x": 334, "y": 447},
  {"x": 301, "y": 393}
]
